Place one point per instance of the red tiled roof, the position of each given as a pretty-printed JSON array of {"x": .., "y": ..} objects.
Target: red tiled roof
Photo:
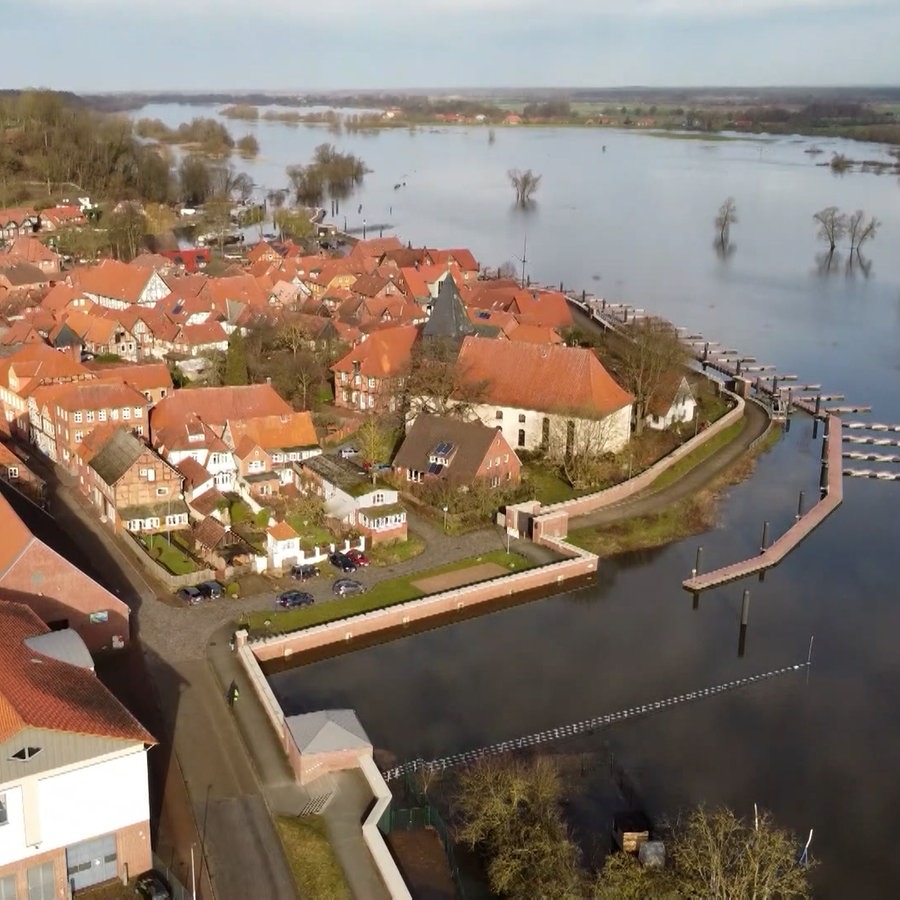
[
  {"x": 276, "y": 432},
  {"x": 114, "y": 279},
  {"x": 203, "y": 334},
  {"x": 32, "y": 250},
  {"x": 208, "y": 502},
  {"x": 547, "y": 377},
  {"x": 217, "y": 405},
  {"x": 93, "y": 394},
  {"x": 38, "y": 691},
  {"x": 194, "y": 473},
  {"x": 376, "y": 247},
  {"x": 35, "y": 363},
  {"x": 141, "y": 376},
  {"x": 386, "y": 352},
  {"x": 178, "y": 436},
  {"x": 281, "y": 531}
]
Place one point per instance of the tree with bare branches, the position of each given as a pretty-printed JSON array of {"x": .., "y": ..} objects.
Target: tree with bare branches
[
  {"x": 525, "y": 183},
  {"x": 727, "y": 216},
  {"x": 832, "y": 226},
  {"x": 860, "y": 230},
  {"x": 435, "y": 382},
  {"x": 375, "y": 441},
  {"x": 650, "y": 354},
  {"x": 511, "y": 810}
]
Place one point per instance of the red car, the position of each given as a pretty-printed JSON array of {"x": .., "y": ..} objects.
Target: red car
[{"x": 358, "y": 557}]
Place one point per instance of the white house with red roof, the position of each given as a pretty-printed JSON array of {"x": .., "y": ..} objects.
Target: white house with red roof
[
  {"x": 74, "y": 797},
  {"x": 118, "y": 285},
  {"x": 545, "y": 397}
]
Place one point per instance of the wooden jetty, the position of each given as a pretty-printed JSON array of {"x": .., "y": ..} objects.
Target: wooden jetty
[{"x": 833, "y": 495}]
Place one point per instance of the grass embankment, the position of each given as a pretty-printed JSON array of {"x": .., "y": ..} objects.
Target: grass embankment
[
  {"x": 687, "y": 517},
  {"x": 313, "y": 865},
  {"x": 703, "y": 452},
  {"x": 396, "y": 551},
  {"x": 385, "y": 593}
]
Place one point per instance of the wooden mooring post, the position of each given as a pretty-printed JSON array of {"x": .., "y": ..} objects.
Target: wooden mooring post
[
  {"x": 745, "y": 619},
  {"x": 696, "y": 570}
]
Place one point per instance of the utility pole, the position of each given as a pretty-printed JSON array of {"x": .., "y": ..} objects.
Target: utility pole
[{"x": 522, "y": 259}]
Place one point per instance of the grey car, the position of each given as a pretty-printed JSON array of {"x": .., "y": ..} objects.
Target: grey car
[{"x": 344, "y": 586}]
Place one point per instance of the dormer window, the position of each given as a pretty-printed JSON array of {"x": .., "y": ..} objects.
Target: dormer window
[{"x": 26, "y": 753}]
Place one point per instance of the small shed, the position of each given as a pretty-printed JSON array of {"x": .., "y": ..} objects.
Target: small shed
[
  {"x": 325, "y": 741},
  {"x": 630, "y": 830}
]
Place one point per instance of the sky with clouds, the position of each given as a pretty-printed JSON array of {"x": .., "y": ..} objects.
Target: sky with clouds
[{"x": 118, "y": 45}]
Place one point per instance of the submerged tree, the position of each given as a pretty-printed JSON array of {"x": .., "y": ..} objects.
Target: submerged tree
[
  {"x": 525, "y": 183},
  {"x": 832, "y": 225},
  {"x": 860, "y": 230},
  {"x": 726, "y": 217}
]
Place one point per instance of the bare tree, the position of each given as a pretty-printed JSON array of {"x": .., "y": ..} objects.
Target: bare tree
[
  {"x": 375, "y": 442},
  {"x": 726, "y": 217},
  {"x": 293, "y": 336},
  {"x": 651, "y": 354},
  {"x": 525, "y": 183},
  {"x": 579, "y": 446},
  {"x": 718, "y": 856},
  {"x": 511, "y": 810},
  {"x": 832, "y": 225},
  {"x": 859, "y": 230},
  {"x": 436, "y": 383}
]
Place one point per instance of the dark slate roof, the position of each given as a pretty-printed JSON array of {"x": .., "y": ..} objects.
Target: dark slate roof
[
  {"x": 470, "y": 443},
  {"x": 65, "y": 337},
  {"x": 117, "y": 456},
  {"x": 448, "y": 314}
]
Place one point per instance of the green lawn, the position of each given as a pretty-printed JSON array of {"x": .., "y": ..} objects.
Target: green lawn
[
  {"x": 385, "y": 593},
  {"x": 310, "y": 535},
  {"x": 548, "y": 486},
  {"x": 169, "y": 556},
  {"x": 313, "y": 865},
  {"x": 396, "y": 551},
  {"x": 693, "y": 459}
]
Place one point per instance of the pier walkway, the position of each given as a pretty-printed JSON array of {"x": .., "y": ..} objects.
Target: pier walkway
[{"x": 832, "y": 496}]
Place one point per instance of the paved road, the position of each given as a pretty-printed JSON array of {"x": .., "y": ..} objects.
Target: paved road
[
  {"x": 213, "y": 795},
  {"x": 651, "y": 501}
]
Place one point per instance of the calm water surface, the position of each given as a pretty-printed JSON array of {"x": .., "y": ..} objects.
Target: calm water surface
[{"x": 635, "y": 224}]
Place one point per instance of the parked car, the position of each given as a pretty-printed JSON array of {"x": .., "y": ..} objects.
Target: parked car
[
  {"x": 303, "y": 572},
  {"x": 190, "y": 595},
  {"x": 211, "y": 589},
  {"x": 358, "y": 557},
  {"x": 152, "y": 886},
  {"x": 342, "y": 561},
  {"x": 294, "y": 599},
  {"x": 347, "y": 452},
  {"x": 344, "y": 586}
]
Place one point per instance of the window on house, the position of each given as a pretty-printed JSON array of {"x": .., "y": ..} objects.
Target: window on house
[
  {"x": 506, "y": 457},
  {"x": 162, "y": 491},
  {"x": 498, "y": 415},
  {"x": 41, "y": 882},
  {"x": 12, "y": 472},
  {"x": 114, "y": 414},
  {"x": 76, "y": 417},
  {"x": 138, "y": 412},
  {"x": 378, "y": 498},
  {"x": 521, "y": 441},
  {"x": 495, "y": 480},
  {"x": 143, "y": 472},
  {"x": 162, "y": 392},
  {"x": 371, "y": 384},
  {"x": 126, "y": 413},
  {"x": 8, "y": 887},
  {"x": 521, "y": 418},
  {"x": 139, "y": 430},
  {"x": 79, "y": 437},
  {"x": 89, "y": 415},
  {"x": 101, "y": 415},
  {"x": 4, "y": 816},
  {"x": 26, "y": 753}
]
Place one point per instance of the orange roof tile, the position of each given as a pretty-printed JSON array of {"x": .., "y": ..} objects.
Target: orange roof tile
[
  {"x": 549, "y": 377},
  {"x": 141, "y": 376},
  {"x": 276, "y": 432},
  {"x": 114, "y": 279},
  {"x": 281, "y": 531},
  {"x": 386, "y": 352},
  {"x": 38, "y": 691},
  {"x": 217, "y": 405}
]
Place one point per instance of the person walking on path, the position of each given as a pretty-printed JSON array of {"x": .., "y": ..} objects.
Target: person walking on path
[{"x": 233, "y": 693}]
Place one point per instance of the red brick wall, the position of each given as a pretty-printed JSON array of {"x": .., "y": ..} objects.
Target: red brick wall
[
  {"x": 424, "y": 608},
  {"x": 56, "y": 590}
]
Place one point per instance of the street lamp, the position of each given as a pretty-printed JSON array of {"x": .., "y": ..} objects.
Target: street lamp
[{"x": 445, "y": 517}]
